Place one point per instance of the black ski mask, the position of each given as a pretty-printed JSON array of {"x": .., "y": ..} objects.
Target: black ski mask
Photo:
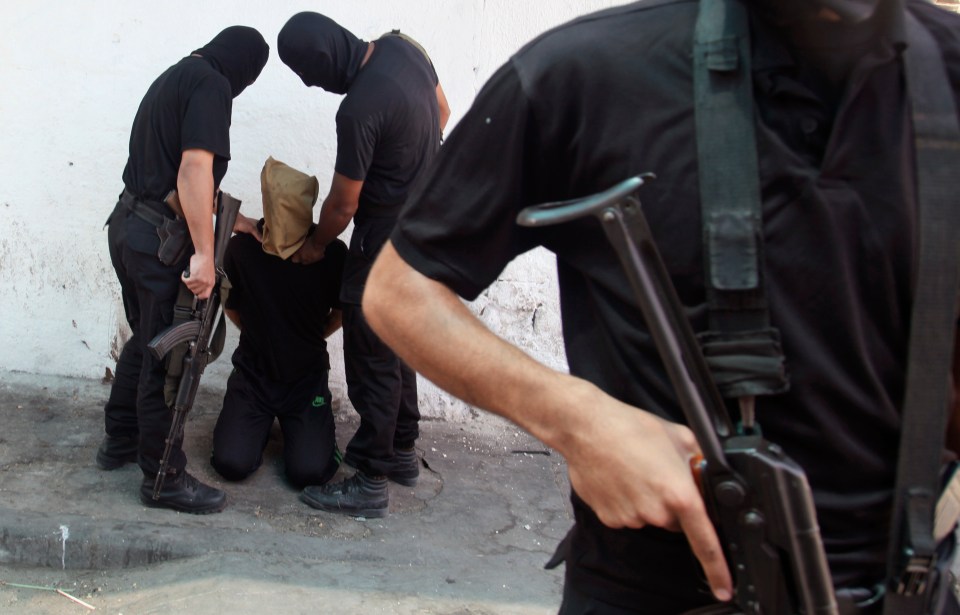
[
  {"x": 320, "y": 51},
  {"x": 239, "y": 53},
  {"x": 785, "y": 12}
]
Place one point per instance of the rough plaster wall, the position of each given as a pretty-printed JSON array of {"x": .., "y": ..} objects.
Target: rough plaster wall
[{"x": 71, "y": 78}]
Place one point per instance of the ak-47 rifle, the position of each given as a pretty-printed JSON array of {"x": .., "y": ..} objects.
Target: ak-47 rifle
[
  {"x": 196, "y": 333},
  {"x": 757, "y": 497}
]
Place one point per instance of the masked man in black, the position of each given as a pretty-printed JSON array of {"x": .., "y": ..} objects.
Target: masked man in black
[
  {"x": 388, "y": 130},
  {"x": 180, "y": 141},
  {"x": 610, "y": 96}
]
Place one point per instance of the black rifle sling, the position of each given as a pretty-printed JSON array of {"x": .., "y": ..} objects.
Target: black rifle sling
[
  {"x": 933, "y": 321},
  {"x": 741, "y": 348}
]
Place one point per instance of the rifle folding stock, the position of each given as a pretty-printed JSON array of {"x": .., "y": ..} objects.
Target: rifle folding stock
[
  {"x": 758, "y": 498},
  {"x": 196, "y": 333}
]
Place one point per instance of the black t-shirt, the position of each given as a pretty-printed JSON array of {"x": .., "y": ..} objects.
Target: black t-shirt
[
  {"x": 283, "y": 307},
  {"x": 607, "y": 97},
  {"x": 388, "y": 132},
  {"x": 186, "y": 107}
]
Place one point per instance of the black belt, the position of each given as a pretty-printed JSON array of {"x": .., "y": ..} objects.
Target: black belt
[{"x": 152, "y": 212}]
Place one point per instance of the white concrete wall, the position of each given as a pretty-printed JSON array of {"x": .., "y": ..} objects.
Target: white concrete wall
[{"x": 72, "y": 74}]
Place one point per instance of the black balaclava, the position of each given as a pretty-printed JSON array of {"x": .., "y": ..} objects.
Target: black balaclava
[
  {"x": 786, "y": 12},
  {"x": 321, "y": 51},
  {"x": 239, "y": 53}
]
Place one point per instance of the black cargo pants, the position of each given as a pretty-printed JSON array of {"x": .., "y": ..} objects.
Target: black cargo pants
[
  {"x": 383, "y": 390},
  {"x": 136, "y": 406},
  {"x": 303, "y": 409}
]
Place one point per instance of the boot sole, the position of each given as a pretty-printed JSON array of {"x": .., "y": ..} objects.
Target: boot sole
[
  {"x": 108, "y": 464},
  {"x": 406, "y": 481},
  {"x": 367, "y": 513},
  {"x": 149, "y": 502}
]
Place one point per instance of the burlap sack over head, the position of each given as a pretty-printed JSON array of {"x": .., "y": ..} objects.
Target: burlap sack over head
[{"x": 288, "y": 199}]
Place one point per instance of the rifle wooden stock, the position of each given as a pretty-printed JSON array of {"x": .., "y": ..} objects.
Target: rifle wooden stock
[
  {"x": 196, "y": 333},
  {"x": 758, "y": 498}
]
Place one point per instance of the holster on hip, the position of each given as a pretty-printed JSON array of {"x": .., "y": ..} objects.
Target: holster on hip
[{"x": 174, "y": 241}]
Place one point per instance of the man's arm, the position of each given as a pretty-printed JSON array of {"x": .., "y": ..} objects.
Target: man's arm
[
  {"x": 195, "y": 189},
  {"x": 234, "y": 317},
  {"x": 953, "y": 427},
  {"x": 444, "y": 108},
  {"x": 334, "y": 322},
  {"x": 337, "y": 211},
  {"x": 245, "y": 224},
  {"x": 630, "y": 466}
]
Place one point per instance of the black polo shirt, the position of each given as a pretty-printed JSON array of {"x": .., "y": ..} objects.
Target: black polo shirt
[
  {"x": 283, "y": 307},
  {"x": 609, "y": 96},
  {"x": 186, "y": 107}
]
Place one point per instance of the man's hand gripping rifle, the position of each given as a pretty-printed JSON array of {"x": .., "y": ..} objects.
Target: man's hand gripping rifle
[
  {"x": 196, "y": 333},
  {"x": 758, "y": 498}
]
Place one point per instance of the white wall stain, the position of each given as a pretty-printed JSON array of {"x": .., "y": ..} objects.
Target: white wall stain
[
  {"x": 73, "y": 76},
  {"x": 64, "y": 534}
]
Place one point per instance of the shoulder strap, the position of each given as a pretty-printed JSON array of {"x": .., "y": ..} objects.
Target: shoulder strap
[
  {"x": 410, "y": 40},
  {"x": 741, "y": 348},
  {"x": 930, "y": 353}
]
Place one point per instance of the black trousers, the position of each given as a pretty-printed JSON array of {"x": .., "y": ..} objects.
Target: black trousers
[
  {"x": 303, "y": 409},
  {"x": 383, "y": 389},
  {"x": 136, "y": 406}
]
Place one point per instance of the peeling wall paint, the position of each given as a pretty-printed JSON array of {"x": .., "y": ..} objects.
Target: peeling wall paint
[{"x": 72, "y": 76}]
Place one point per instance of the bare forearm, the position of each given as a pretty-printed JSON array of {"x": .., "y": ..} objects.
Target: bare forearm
[
  {"x": 195, "y": 188},
  {"x": 439, "y": 337},
  {"x": 333, "y": 220},
  {"x": 338, "y": 209},
  {"x": 630, "y": 466}
]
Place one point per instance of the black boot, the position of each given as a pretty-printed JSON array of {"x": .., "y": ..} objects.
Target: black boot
[
  {"x": 183, "y": 493},
  {"x": 406, "y": 467},
  {"x": 115, "y": 452},
  {"x": 357, "y": 496},
  {"x": 403, "y": 468}
]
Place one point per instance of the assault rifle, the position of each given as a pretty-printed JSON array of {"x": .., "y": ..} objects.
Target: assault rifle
[
  {"x": 195, "y": 331},
  {"x": 757, "y": 497}
]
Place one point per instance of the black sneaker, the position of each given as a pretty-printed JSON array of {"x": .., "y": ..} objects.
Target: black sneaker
[
  {"x": 184, "y": 493},
  {"x": 405, "y": 468},
  {"x": 357, "y": 496},
  {"x": 115, "y": 452}
]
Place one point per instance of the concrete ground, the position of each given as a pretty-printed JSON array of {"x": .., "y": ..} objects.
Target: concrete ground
[{"x": 471, "y": 538}]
